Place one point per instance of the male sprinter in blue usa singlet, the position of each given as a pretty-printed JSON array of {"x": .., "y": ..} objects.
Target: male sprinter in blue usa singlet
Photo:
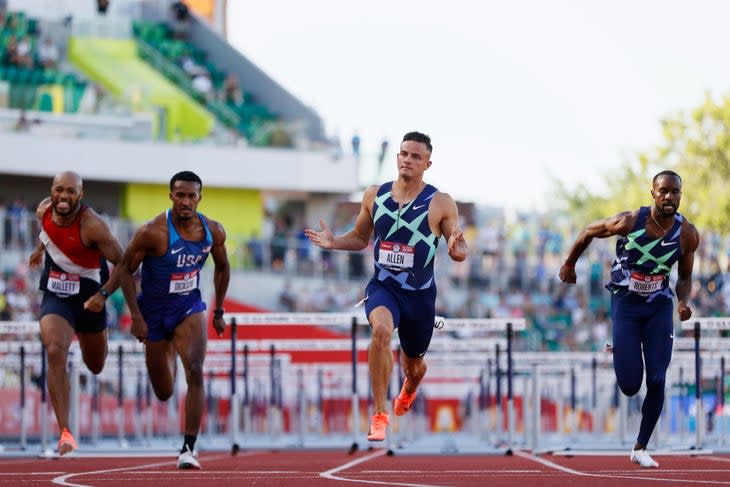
[
  {"x": 170, "y": 282},
  {"x": 168, "y": 316},
  {"x": 407, "y": 217},
  {"x": 652, "y": 239}
]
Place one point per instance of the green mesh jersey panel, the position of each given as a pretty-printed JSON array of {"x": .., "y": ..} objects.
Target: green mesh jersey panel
[
  {"x": 637, "y": 252},
  {"x": 405, "y": 225}
]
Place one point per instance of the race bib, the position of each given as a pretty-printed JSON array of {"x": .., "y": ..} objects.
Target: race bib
[
  {"x": 396, "y": 255},
  {"x": 644, "y": 284},
  {"x": 183, "y": 282},
  {"x": 63, "y": 284}
]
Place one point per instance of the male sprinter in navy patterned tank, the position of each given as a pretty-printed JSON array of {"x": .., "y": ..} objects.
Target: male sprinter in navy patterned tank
[
  {"x": 408, "y": 217},
  {"x": 651, "y": 240},
  {"x": 168, "y": 314},
  {"x": 77, "y": 243}
]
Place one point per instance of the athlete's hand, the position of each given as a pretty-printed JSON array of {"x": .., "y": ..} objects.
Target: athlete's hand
[
  {"x": 567, "y": 273},
  {"x": 95, "y": 303},
  {"x": 36, "y": 258},
  {"x": 219, "y": 326},
  {"x": 685, "y": 312},
  {"x": 456, "y": 245},
  {"x": 139, "y": 329},
  {"x": 324, "y": 239}
]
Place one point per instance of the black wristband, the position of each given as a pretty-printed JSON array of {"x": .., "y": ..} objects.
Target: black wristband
[
  {"x": 104, "y": 293},
  {"x": 218, "y": 313}
]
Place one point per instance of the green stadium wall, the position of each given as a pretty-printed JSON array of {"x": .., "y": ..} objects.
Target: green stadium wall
[{"x": 115, "y": 65}]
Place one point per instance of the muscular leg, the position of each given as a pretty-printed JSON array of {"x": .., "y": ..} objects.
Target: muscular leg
[
  {"x": 94, "y": 350},
  {"x": 160, "y": 360},
  {"x": 190, "y": 341},
  {"x": 414, "y": 369},
  {"x": 628, "y": 363},
  {"x": 380, "y": 355},
  {"x": 57, "y": 334},
  {"x": 657, "y": 341}
]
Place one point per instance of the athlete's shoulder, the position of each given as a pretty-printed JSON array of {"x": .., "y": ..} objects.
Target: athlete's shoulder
[
  {"x": 43, "y": 207},
  {"x": 690, "y": 235},
  {"x": 156, "y": 227},
  {"x": 213, "y": 225},
  {"x": 370, "y": 193}
]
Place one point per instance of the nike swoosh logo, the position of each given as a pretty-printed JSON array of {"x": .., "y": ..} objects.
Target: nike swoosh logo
[
  {"x": 416, "y": 207},
  {"x": 666, "y": 244},
  {"x": 173, "y": 252}
]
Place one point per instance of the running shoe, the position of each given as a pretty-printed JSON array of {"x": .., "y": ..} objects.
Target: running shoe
[
  {"x": 378, "y": 424},
  {"x": 642, "y": 458},
  {"x": 187, "y": 461},
  {"x": 66, "y": 444},
  {"x": 403, "y": 402}
]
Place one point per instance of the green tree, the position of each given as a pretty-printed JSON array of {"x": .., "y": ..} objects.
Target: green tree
[{"x": 696, "y": 145}]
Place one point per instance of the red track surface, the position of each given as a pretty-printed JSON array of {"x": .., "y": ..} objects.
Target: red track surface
[{"x": 322, "y": 468}]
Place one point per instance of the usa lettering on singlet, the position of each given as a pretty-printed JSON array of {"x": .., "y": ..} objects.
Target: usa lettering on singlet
[
  {"x": 177, "y": 271},
  {"x": 404, "y": 247},
  {"x": 643, "y": 263}
]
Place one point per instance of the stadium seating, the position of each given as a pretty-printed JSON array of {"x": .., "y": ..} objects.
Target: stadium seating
[
  {"x": 158, "y": 47},
  {"x": 33, "y": 87}
]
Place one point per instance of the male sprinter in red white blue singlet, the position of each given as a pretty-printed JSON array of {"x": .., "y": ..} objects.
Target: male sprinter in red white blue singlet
[{"x": 76, "y": 243}]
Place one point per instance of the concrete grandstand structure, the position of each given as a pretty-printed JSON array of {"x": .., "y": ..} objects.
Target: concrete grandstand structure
[{"x": 131, "y": 148}]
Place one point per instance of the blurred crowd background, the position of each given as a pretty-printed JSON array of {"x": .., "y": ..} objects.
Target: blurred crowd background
[{"x": 511, "y": 272}]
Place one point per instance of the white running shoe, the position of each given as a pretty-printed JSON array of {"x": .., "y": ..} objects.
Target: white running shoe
[
  {"x": 642, "y": 458},
  {"x": 187, "y": 461}
]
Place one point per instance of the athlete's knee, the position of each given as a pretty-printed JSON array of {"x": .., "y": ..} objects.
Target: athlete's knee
[
  {"x": 382, "y": 335},
  {"x": 57, "y": 354},
  {"x": 95, "y": 364},
  {"x": 162, "y": 392},
  {"x": 656, "y": 382},
  {"x": 629, "y": 386},
  {"x": 194, "y": 373}
]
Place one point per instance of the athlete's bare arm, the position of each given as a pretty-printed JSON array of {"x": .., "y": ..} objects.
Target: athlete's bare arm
[
  {"x": 619, "y": 224},
  {"x": 444, "y": 209},
  {"x": 36, "y": 257},
  {"x": 689, "y": 240},
  {"x": 42, "y": 207},
  {"x": 356, "y": 239},
  {"x": 221, "y": 272},
  {"x": 95, "y": 232}
]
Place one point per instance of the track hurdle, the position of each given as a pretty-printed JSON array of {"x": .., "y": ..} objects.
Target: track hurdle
[
  {"x": 474, "y": 327},
  {"x": 697, "y": 325},
  {"x": 344, "y": 320}
]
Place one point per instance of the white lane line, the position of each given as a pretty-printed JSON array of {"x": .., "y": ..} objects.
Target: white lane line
[
  {"x": 717, "y": 459},
  {"x": 330, "y": 474},
  {"x": 63, "y": 479},
  {"x": 561, "y": 468}
]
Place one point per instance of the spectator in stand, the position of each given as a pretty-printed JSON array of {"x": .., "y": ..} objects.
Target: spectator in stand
[
  {"x": 102, "y": 6},
  {"x": 48, "y": 53},
  {"x": 180, "y": 20},
  {"x": 23, "y": 54},
  {"x": 231, "y": 91},
  {"x": 356, "y": 146},
  {"x": 203, "y": 85},
  {"x": 10, "y": 57}
]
